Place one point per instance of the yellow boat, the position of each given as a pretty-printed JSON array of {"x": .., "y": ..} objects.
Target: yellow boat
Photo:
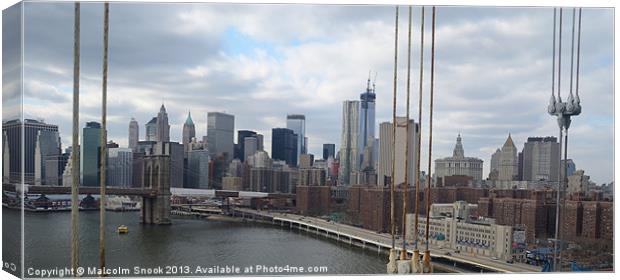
[{"x": 122, "y": 229}]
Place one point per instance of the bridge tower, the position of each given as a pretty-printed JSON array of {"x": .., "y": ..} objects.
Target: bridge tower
[{"x": 156, "y": 176}]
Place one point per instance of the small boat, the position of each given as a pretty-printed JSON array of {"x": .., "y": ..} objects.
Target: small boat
[{"x": 122, "y": 229}]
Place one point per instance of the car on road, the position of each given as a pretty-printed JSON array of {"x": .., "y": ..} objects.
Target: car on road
[
  {"x": 494, "y": 258},
  {"x": 448, "y": 254}
]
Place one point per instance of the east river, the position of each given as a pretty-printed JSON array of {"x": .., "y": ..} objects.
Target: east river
[{"x": 188, "y": 247}]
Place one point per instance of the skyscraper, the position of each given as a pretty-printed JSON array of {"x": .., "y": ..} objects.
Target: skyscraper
[
  {"x": 189, "y": 132},
  {"x": 367, "y": 121},
  {"x": 540, "y": 159},
  {"x": 134, "y": 134},
  {"x": 220, "y": 134},
  {"x": 198, "y": 169},
  {"x": 163, "y": 128},
  {"x": 508, "y": 161},
  {"x": 297, "y": 123},
  {"x": 13, "y": 131},
  {"x": 120, "y": 167},
  {"x": 150, "y": 130},
  {"x": 458, "y": 164},
  {"x": 349, "y": 145},
  {"x": 47, "y": 148},
  {"x": 284, "y": 145},
  {"x": 494, "y": 168},
  {"x": 90, "y": 154},
  {"x": 241, "y": 135},
  {"x": 329, "y": 150},
  {"x": 250, "y": 146},
  {"x": 386, "y": 150}
]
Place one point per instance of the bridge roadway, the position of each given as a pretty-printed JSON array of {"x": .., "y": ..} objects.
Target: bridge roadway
[
  {"x": 384, "y": 241},
  {"x": 82, "y": 190}
]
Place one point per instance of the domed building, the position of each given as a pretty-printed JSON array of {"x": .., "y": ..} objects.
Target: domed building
[{"x": 458, "y": 164}]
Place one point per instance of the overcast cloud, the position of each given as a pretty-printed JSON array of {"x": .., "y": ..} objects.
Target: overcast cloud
[{"x": 262, "y": 62}]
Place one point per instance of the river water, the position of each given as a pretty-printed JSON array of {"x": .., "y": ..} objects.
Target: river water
[{"x": 188, "y": 247}]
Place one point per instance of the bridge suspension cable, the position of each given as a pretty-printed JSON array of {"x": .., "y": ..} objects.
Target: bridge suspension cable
[
  {"x": 75, "y": 175},
  {"x": 403, "y": 252},
  {"x": 392, "y": 256},
  {"x": 104, "y": 132},
  {"x": 427, "y": 254},
  {"x": 416, "y": 251}
]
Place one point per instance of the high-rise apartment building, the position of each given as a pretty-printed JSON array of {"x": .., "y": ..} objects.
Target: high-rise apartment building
[
  {"x": 349, "y": 141},
  {"x": 386, "y": 149}
]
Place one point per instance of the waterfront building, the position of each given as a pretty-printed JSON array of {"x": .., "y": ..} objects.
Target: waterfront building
[
  {"x": 284, "y": 145},
  {"x": 349, "y": 145},
  {"x": 90, "y": 154},
  {"x": 119, "y": 167},
  {"x": 540, "y": 159},
  {"x": 232, "y": 183},
  {"x": 329, "y": 150},
  {"x": 476, "y": 237},
  {"x": 134, "y": 134},
  {"x": 12, "y": 131},
  {"x": 313, "y": 200},
  {"x": 189, "y": 132},
  {"x": 297, "y": 123},
  {"x": 220, "y": 134},
  {"x": 150, "y": 130},
  {"x": 163, "y": 127},
  {"x": 386, "y": 149},
  {"x": 458, "y": 164},
  {"x": 367, "y": 124}
]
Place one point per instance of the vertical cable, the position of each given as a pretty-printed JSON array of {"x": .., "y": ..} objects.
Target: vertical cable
[
  {"x": 393, "y": 228},
  {"x": 572, "y": 55},
  {"x": 553, "y": 51},
  {"x": 578, "y": 54},
  {"x": 75, "y": 165},
  {"x": 403, "y": 254},
  {"x": 104, "y": 132},
  {"x": 419, "y": 134},
  {"x": 430, "y": 129}
]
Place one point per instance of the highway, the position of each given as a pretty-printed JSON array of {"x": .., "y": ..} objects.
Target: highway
[{"x": 384, "y": 240}]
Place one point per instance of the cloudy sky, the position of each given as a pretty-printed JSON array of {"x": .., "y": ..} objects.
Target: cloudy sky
[{"x": 262, "y": 62}]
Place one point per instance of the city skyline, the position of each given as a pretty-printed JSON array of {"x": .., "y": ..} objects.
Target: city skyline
[{"x": 260, "y": 78}]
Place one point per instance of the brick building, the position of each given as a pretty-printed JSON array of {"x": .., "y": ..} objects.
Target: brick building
[{"x": 313, "y": 200}]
